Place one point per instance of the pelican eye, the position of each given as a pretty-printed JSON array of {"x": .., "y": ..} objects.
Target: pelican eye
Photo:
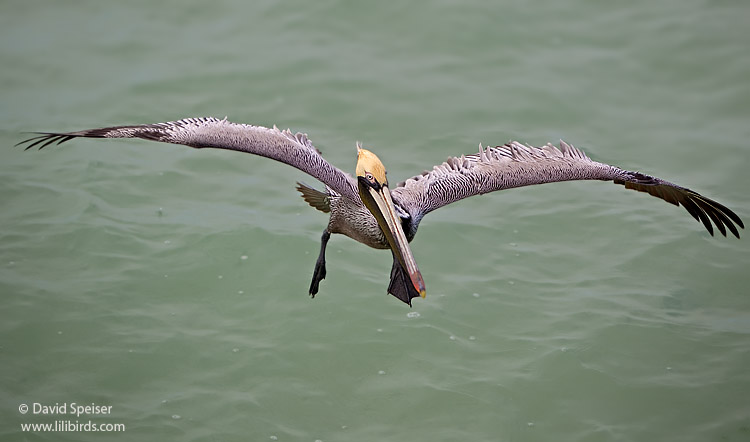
[{"x": 369, "y": 177}]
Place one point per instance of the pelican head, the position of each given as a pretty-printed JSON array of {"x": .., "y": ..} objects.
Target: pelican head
[
  {"x": 373, "y": 189},
  {"x": 370, "y": 167}
]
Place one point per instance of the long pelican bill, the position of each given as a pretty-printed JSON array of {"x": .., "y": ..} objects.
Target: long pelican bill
[{"x": 377, "y": 198}]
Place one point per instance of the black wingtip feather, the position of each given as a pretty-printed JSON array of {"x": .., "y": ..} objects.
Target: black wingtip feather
[
  {"x": 44, "y": 139},
  {"x": 699, "y": 207},
  {"x": 702, "y": 215},
  {"x": 714, "y": 215}
]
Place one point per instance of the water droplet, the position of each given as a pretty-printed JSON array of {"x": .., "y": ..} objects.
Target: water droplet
[
  {"x": 529, "y": 424},
  {"x": 221, "y": 276},
  {"x": 413, "y": 315},
  {"x": 167, "y": 241},
  {"x": 452, "y": 337},
  {"x": 381, "y": 371},
  {"x": 241, "y": 292},
  {"x": 343, "y": 427},
  {"x": 513, "y": 244},
  {"x": 274, "y": 438},
  {"x": 476, "y": 295},
  {"x": 669, "y": 368},
  {"x": 59, "y": 332},
  {"x": 164, "y": 401},
  {"x": 318, "y": 440},
  {"x": 380, "y": 330},
  {"x": 235, "y": 350},
  {"x": 176, "y": 416},
  {"x": 472, "y": 338},
  {"x": 243, "y": 257},
  {"x": 511, "y": 282}
]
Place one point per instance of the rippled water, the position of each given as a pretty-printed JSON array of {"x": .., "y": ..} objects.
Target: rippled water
[{"x": 170, "y": 284}]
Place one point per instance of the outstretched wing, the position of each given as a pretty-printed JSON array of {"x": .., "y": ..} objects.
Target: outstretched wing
[
  {"x": 517, "y": 165},
  {"x": 293, "y": 149}
]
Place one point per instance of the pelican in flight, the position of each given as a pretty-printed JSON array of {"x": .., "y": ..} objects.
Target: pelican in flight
[{"x": 368, "y": 209}]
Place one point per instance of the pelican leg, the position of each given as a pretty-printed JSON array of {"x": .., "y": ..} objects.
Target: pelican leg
[
  {"x": 319, "y": 273},
  {"x": 401, "y": 285}
]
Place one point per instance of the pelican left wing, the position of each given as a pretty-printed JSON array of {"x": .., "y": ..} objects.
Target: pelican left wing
[
  {"x": 281, "y": 145},
  {"x": 516, "y": 165}
]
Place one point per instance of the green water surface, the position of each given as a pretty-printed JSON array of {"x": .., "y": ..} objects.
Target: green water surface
[{"x": 170, "y": 284}]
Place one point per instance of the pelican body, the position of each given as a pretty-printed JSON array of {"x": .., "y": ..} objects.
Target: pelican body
[{"x": 366, "y": 209}]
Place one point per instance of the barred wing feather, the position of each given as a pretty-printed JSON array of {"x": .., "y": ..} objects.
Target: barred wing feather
[
  {"x": 293, "y": 149},
  {"x": 516, "y": 165}
]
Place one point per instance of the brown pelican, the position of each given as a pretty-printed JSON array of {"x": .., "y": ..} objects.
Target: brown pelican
[{"x": 367, "y": 210}]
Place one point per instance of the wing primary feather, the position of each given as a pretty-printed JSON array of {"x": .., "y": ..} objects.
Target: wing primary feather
[
  {"x": 699, "y": 214},
  {"x": 713, "y": 214}
]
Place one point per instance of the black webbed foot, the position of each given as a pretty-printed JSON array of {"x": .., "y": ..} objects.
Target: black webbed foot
[{"x": 319, "y": 273}]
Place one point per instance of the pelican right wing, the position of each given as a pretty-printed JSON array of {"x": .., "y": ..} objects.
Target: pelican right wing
[
  {"x": 293, "y": 149},
  {"x": 516, "y": 165}
]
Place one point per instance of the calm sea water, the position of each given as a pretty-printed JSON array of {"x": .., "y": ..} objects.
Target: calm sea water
[{"x": 171, "y": 284}]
